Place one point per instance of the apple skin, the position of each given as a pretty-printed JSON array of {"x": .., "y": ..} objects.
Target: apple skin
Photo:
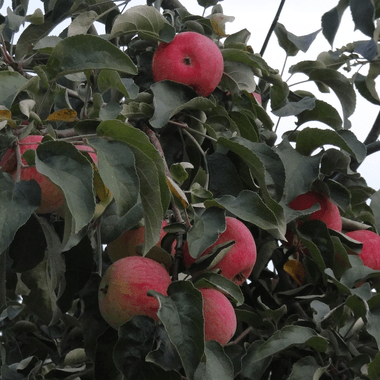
[
  {"x": 123, "y": 289},
  {"x": 125, "y": 244},
  {"x": 219, "y": 316},
  {"x": 192, "y": 59},
  {"x": 52, "y": 197},
  {"x": 370, "y": 253},
  {"x": 238, "y": 263},
  {"x": 328, "y": 213},
  {"x": 257, "y": 96}
]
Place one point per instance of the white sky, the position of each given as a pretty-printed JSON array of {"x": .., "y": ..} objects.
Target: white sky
[{"x": 301, "y": 17}]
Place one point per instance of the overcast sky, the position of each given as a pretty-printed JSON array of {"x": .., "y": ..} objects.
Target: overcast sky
[{"x": 301, "y": 17}]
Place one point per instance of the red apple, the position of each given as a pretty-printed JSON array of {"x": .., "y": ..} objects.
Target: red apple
[
  {"x": 370, "y": 253},
  {"x": 192, "y": 59},
  {"x": 52, "y": 197},
  {"x": 257, "y": 96},
  {"x": 238, "y": 263},
  {"x": 125, "y": 245},
  {"x": 328, "y": 213},
  {"x": 124, "y": 286},
  {"x": 219, "y": 316}
]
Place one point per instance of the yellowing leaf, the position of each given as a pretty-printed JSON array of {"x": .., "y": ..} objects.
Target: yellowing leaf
[
  {"x": 6, "y": 115},
  {"x": 218, "y": 23},
  {"x": 295, "y": 270},
  {"x": 177, "y": 192},
  {"x": 67, "y": 115},
  {"x": 101, "y": 190}
]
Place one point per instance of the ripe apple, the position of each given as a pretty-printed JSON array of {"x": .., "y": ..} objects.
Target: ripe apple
[
  {"x": 123, "y": 289},
  {"x": 125, "y": 245},
  {"x": 219, "y": 316},
  {"x": 257, "y": 96},
  {"x": 238, "y": 263},
  {"x": 52, "y": 197},
  {"x": 328, "y": 213},
  {"x": 192, "y": 59},
  {"x": 370, "y": 253}
]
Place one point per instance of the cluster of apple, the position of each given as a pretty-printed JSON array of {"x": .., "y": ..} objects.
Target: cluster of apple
[
  {"x": 329, "y": 214},
  {"x": 124, "y": 286},
  {"x": 52, "y": 197}
]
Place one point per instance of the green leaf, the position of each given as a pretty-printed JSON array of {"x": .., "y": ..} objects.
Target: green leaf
[
  {"x": 322, "y": 112},
  {"x": 154, "y": 191},
  {"x": 182, "y": 316},
  {"x": 301, "y": 171},
  {"x": 295, "y": 108},
  {"x": 108, "y": 79},
  {"x": 331, "y": 20},
  {"x": 171, "y": 97},
  {"x": 253, "y": 368},
  {"x": 116, "y": 164},
  {"x": 285, "y": 338},
  {"x": 17, "y": 203},
  {"x": 216, "y": 281},
  {"x": 374, "y": 368},
  {"x": 11, "y": 83},
  {"x": 238, "y": 77},
  {"x": 251, "y": 208},
  {"x": 86, "y": 52},
  {"x": 65, "y": 166},
  {"x": 205, "y": 231},
  {"x": 361, "y": 84},
  {"x": 375, "y": 206},
  {"x": 373, "y": 324},
  {"x": 145, "y": 21},
  {"x": 240, "y": 37},
  {"x": 215, "y": 365},
  {"x": 306, "y": 369},
  {"x": 309, "y": 139},
  {"x": 363, "y": 14},
  {"x": 342, "y": 88},
  {"x": 82, "y": 23},
  {"x": 291, "y": 43}
]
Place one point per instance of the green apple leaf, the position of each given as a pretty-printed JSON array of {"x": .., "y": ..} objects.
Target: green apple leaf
[
  {"x": 238, "y": 77},
  {"x": 65, "y": 166},
  {"x": 108, "y": 79},
  {"x": 251, "y": 366},
  {"x": 82, "y": 23},
  {"x": 331, "y": 20},
  {"x": 255, "y": 62},
  {"x": 182, "y": 316},
  {"x": 145, "y": 21},
  {"x": 86, "y": 52},
  {"x": 11, "y": 83},
  {"x": 17, "y": 203},
  {"x": 362, "y": 85},
  {"x": 363, "y": 14},
  {"x": 306, "y": 368}
]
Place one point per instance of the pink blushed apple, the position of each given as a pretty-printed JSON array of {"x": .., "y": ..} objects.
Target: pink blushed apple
[
  {"x": 238, "y": 263},
  {"x": 124, "y": 286},
  {"x": 219, "y": 316},
  {"x": 192, "y": 59},
  {"x": 370, "y": 253}
]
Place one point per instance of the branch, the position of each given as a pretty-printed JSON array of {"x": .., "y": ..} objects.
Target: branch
[
  {"x": 374, "y": 132},
  {"x": 271, "y": 29}
]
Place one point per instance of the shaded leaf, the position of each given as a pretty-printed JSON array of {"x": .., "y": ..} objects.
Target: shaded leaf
[
  {"x": 361, "y": 85},
  {"x": 331, "y": 20},
  {"x": 10, "y": 84},
  {"x": 363, "y": 14}
]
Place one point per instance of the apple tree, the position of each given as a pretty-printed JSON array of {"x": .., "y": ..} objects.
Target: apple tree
[{"x": 84, "y": 122}]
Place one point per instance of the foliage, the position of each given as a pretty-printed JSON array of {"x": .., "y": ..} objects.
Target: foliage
[{"x": 165, "y": 152}]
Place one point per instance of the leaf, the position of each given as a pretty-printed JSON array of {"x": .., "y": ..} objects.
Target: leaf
[
  {"x": 116, "y": 165},
  {"x": 301, "y": 171},
  {"x": 47, "y": 44},
  {"x": 295, "y": 108},
  {"x": 82, "y": 23},
  {"x": 205, "y": 231},
  {"x": 154, "y": 191},
  {"x": 367, "y": 49},
  {"x": 331, "y": 20},
  {"x": 322, "y": 112},
  {"x": 373, "y": 324},
  {"x": 216, "y": 281},
  {"x": 238, "y": 77},
  {"x": 237, "y": 38},
  {"x": 67, "y": 115},
  {"x": 111, "y": 79},
  {"x": 182, "y": 316},
  {"x": 251, "y": 367},
  {"x": 86, "y": 52},
  {"x": 309, "y": 139},
  {"x": 10, "y": 84},
  {"x": 17, "y": 203},
  {"x": 218, "y": 23},
  {"x": 215, "y": 365},
  {"x": 291, "y": 43},
  {"x": 374, "y": 368},
  {"x": 65, "y": 166},
  {"x": 177, "y": 192},
  {"x": 296, "y": 271},
  {"x": 342, "y": 88},
  {"x": 363, "y": 14},
  {"x": 170, "y": 98},
  {"x": 251, "y": 208},
  {"x": 361, "y": 84},
  {"x": 375, "y": 206},
  {"x": 145, "y": 21},
  {"x": 306, "y": 369}
]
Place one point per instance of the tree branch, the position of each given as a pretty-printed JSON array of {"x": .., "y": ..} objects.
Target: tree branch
[
  {"x": 271, "y": 29},
  {"x": 374, "y": 132}
]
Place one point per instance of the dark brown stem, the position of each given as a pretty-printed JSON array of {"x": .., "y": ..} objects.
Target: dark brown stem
[
  {"x": 374, "y": 132},
  {"x": 271, "y": 29}
]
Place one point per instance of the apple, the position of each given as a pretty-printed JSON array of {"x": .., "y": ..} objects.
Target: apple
[
  {"x": 238, "y": 263},
  {"x": 124, "y": 286},
  {"x": 125, "y": 245},
  {"x": 192, "y": 59},
  {"x": 52, "y": 197},
  {"x": 328, "y": 213},
  {"x": 370, "y": 253},
  {"x": 219, "y": 316},
  {"x": 257, "y": 96}
]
